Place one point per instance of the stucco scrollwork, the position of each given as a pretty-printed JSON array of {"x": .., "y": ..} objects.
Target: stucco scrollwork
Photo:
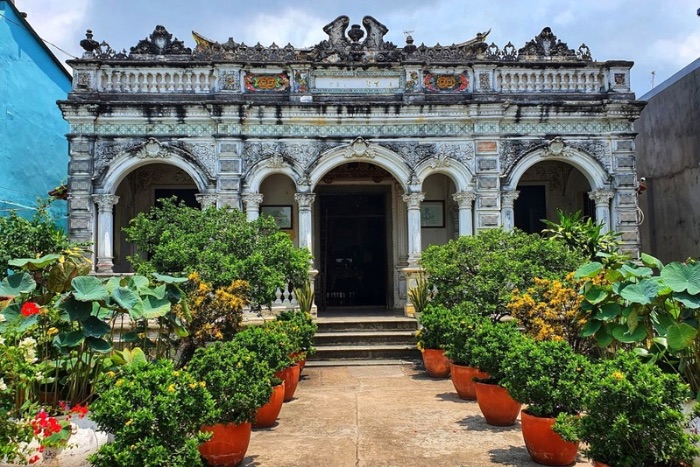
[
  {"x": 464, "y": 199},
  {"x": 304, "y": 200},
  {"x": 152, "y": 149},
  {"x": 557, "y": 148},
  {"x": 205, "y": 154},
  {"x": 412, "y": 153},
  {"x": 511, "y": 151},
  {"x": 413, "y": 200},
  {"x": 601, "y": 197},
  {"x": 276, "y": 162},
  {"x": 462, "y": 152}
]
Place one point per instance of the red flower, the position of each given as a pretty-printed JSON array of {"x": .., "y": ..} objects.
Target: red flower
[
  {"x": 30, "y": 308},
  {"x": 81, "y": 410}
]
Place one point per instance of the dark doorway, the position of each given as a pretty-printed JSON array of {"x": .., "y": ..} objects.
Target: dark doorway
[
  {"x": 530, "y": 208},
  {"x": 186, "y": 195},
  {"x": 353, "y": 249}
]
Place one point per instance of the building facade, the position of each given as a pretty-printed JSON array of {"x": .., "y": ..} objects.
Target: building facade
[
  {"x": 33, "y": 147},
  {"x": 668, "y": 148},
  {"x": 364, "y": 151}
]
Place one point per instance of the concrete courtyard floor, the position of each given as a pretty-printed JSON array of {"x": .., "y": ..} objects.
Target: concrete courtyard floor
[{"x": 383, "y": 415}]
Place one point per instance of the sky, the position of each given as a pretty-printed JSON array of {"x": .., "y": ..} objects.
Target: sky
[{"x": 659, "y": 36}]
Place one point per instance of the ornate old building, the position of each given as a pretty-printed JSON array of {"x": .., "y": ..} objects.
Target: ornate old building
[{"x": 364, "y": 151}]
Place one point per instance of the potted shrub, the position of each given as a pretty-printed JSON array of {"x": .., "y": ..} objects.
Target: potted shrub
[
  {"x": 291, "y": 341},
  {"x": 460, "y": 343},
  {"x": 492, "y": 343},
  {"x": 304, "y": 329},
  {"x": 633, "y": 416},
  {"x": 240, "y": 382},
  {"x": 155, "y": 413},
  {"x": 436, "y": 323},
  {"x": 269, "y": 344},
  {"x": 550, "y": 377}
]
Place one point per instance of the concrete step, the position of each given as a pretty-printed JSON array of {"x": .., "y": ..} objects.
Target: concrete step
[
  {"x": 326, "y": 325},
  {"x": 365, "y": 338},
  {"x": 375, "y": 362},
  {"x": 366, "y": 352}
]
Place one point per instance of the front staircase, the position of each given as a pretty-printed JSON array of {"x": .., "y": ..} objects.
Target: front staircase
[{"x": 364, "y": 340}]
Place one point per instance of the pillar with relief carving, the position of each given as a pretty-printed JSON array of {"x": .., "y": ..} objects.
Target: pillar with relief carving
[
  {"x": 602, "y": 207},
  {"x": 465, "y": 201},
  {"x": 508, "y": 209},
  {"x": 304, "y": 202},
  {"x": 206, "y": 200},
  {"x": 413, "y": 201},
  {"x": 252, "y": 203},
  {"x": 105, "y": 231}
]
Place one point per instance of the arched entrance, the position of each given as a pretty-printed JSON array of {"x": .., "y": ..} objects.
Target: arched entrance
[
  {"x": 549, "y": 186},
  {"x": 354, "y": 242},
  {"x": 138, "y": 192}
]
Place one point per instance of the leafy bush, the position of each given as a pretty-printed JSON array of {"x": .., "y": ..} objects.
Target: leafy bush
[
  {"x": 437, "y": 322},
  {"x": 549, "y": 376},
  {"x": 485, "y": 268},
  {"x": 551, "y": 310},
  {"x": 582, "y": 234},
  {"x": 492, "y": 343},
  {"x": 221, "y": 245},
  {"x": 648, "y": 306},
  {"x": 632, "y": 416},
  {"x": 239, "y": 380},
  {"x": 302, "y": 328},
  {"x": 30, "y": 238},
  {"x": 269, "y": 343},
  {"x": 420, "y": 295},
  {"x": 155, "y": 413}
]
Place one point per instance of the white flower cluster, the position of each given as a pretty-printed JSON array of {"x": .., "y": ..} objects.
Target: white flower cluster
[
  {"x": 28, "y": 347},
  {"x": 3, "y": 386}
]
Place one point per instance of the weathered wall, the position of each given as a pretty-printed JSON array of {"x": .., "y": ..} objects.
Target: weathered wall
[
  {"x": 668, "y": 156},
  {"x": 34, "y": 150}
]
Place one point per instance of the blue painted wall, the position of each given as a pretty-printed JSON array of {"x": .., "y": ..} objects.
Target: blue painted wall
[{"x": 33, "y": 145}]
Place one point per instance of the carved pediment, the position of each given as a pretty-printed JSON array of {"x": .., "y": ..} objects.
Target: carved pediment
[
  {"x": 546, "y": 44},
  {"x": 160, "y": 42}
]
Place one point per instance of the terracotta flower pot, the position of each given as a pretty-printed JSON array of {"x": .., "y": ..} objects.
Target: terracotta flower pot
[
  {"x": 543, "y": 444},
  {"x": 228, "y": 444},
  {"x": 463, "y": 380},
  {"x": 435, "y": 362},
  {"x": 290, "y": 376},
  {"x": 300, "y": 359},
  {"x": 266, "y": 416},
  {"x": 498, "y": 408}
]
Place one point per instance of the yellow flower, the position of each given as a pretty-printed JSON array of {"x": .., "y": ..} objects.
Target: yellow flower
[
  {"x": 202, "y": 384},
  {"x": 617, "y": 375},
  {"x": 128, "y": 422},
  {"x": 171, "y": 388},
  {"x": 176, "y": 373},
  {"x": 51, "y": 331},
  {"x": 111, "y": 374},
  {"x": 119, "y": 382}
]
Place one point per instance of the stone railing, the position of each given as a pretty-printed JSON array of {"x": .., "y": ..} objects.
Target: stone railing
[
  {"x": 162, "y": 81},
  {"x": 585, "y": 80}
]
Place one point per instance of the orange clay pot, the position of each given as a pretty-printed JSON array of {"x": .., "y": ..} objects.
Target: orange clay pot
[
  {"x": 228, "y": 444},
  {"x": 498, "y": 408},
  {"x": 544, "y": 445},
  {"x": 463, "y": 380},
  {"x": 266, "y": 416},
  {"x": 435, "y": 362}
]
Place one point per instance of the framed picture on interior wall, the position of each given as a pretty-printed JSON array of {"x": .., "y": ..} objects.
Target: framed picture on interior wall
[
  {"x": 282, "y": 215},
  {"x": 432, "y": 214}
]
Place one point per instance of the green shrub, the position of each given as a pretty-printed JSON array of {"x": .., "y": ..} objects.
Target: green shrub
[
  {"x": 221, "y": 245},
  {"x": 239, "y": 380},
  {"x": 437, "y": 322},
  {"x": 632, "y": 416},
  {"x": 269, "y": 343},
  {"x": 301, "y": 328},
  {"x": 485, "y": 268},
  {"x": 549, "y": 376},
  {"x": 491, "y": 344},
  {"x": 155, "y": 414},
  {"x": 582, "y": 234}
]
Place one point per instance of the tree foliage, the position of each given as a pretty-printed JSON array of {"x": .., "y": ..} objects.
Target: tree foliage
[
  {"x": 221, "y": 245},
  {"x": 30, "y": 238},
  {"x": 485, "y": 268}
]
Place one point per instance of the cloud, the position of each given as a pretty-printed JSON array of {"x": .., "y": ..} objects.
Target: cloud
[
  {"x": 299, "y": 28},
  {"x": 53, "y": 21}
]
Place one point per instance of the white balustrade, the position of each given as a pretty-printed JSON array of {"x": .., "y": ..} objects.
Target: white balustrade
[
  {"x": 553, "y": 80},
  {"x": 159, "y": 81}
]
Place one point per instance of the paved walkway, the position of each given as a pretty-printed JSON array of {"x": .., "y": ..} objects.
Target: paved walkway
[{"x": 391, "y": 415}]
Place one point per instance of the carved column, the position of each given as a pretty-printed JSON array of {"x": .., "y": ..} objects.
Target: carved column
[
  {"x": 304, "y": 202},
  {"x": 507, "y": 210},
  {"x": 413, "y": 201},
  {"x": 105, "y": 231},
  {"x": 206, "y": 200},
  {"x": 602, "y": 207},
  {"x": 465, "y": 201},
  {"x": 252, "y": 203}
]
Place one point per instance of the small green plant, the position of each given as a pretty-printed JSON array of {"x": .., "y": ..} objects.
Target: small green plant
[
  {"x": 492, "y": 343},
  {"x": 421, "y": 294},
  {"x": 269, "y": 343},
  {"x": 582, "y": 234},
  {"x": 548, "y": 376},
  {"x": 239, "y": 380},
  {"x": 305, "y": 297},
  {"x": 155, "y": 413},
  {"x": 632, "y": 416},
  {"x": 301, "y": 329},
  {"x": 451, "y": 330}
]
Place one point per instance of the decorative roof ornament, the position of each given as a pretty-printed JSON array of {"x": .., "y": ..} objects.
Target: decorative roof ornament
[
  {"x": 545, "y": 45},
  {"x": 89, "y": 44},
  {"x": 161, "y": 43}
]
